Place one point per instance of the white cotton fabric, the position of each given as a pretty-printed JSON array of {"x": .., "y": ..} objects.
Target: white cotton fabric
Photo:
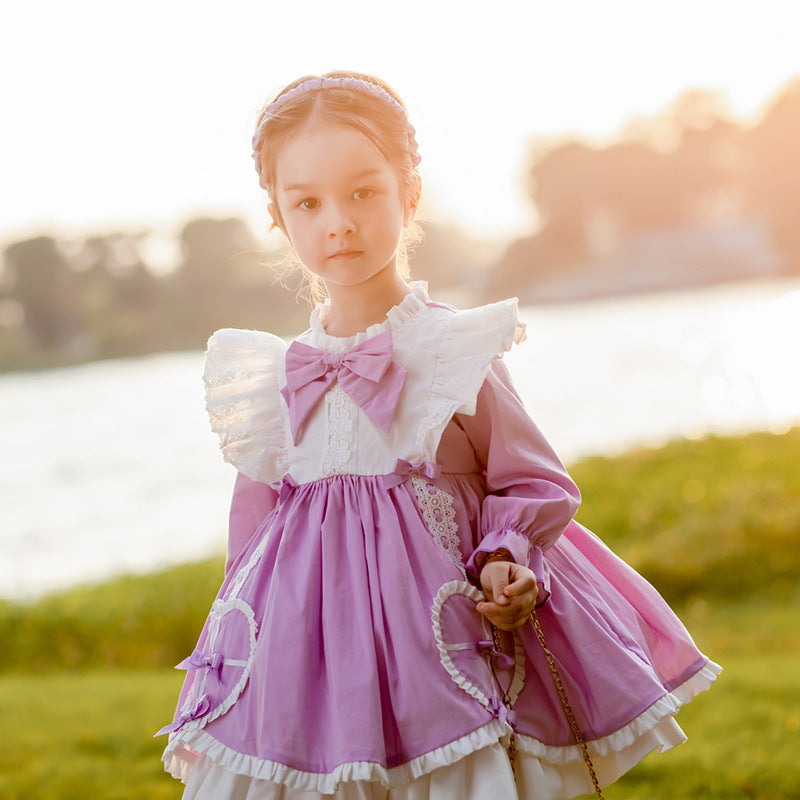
[
  {"x": 447, "y": 355},
  {"x": 543, "y": 772}
]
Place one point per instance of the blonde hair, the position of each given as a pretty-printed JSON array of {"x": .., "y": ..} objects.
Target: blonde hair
[{"x": 380, "y": 115}]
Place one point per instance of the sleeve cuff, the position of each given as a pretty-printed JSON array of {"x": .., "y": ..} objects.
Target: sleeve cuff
[{"x": 519, "y": 547}]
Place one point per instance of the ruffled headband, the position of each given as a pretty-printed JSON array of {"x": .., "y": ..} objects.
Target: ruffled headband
[{"x": 318, "y": 84}]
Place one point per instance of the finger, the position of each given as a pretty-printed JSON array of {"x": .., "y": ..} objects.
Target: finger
[
  {"x": 505, "y": 614},
  {"x": 524, "y": 583},
  {"x": 508, "y": 625},
  {"x": 500, "y": 580}
]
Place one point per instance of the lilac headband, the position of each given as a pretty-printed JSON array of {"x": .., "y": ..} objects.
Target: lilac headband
[{"x": 317, "y": 84}]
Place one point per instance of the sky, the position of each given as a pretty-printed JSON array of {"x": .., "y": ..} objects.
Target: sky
[{"x": 123, "y": 115}]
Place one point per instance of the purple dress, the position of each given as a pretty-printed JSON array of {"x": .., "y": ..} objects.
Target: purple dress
[{"x": 343, "y": 655}]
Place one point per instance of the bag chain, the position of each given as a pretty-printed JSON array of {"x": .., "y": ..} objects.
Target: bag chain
[{"x": 568, "y": 713}]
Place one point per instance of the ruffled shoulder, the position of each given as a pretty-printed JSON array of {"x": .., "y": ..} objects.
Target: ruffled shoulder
[
  {"x": 244, "y": 403},
  {"x": 471, "y": 341}
]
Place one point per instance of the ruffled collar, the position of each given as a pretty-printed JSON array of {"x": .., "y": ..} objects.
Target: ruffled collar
[{"x": 398, "y": 315}]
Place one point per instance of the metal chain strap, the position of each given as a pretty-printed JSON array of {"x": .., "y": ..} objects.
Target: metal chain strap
[{"x": 568, "y": 713}]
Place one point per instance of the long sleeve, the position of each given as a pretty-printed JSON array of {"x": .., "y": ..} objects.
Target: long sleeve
[
  {"x": 530, "y": 497},
  {"x": 251, "y": 502}
]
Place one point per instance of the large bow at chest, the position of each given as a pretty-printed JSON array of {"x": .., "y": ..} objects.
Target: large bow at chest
[{"x": 366, "y": 373}]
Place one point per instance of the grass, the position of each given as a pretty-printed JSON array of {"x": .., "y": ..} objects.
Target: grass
[
  {"x": 714, "y": 524},
  {"x": 146, "y": 620},
  {"x": 717, "y": 519},
  {"x": 744, "y": 739},
  {"x": 73, "y": 736}
]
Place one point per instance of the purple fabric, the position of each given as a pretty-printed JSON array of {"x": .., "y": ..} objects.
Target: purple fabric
[
  {"x": 346, "y": 667},
  {"x": 251, "y": 503},
  {"x": 366, "y": 373},
  {"x": 403, "y": 470}
]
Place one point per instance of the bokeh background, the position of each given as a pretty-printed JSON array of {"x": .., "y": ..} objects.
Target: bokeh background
[{"x": 630, "y": 171}]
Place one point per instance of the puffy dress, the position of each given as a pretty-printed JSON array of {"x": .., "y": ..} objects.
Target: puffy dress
[{"x": 343, "y": 655}]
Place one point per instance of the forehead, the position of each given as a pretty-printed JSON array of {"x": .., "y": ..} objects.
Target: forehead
[{"x": 325, "y": 153}]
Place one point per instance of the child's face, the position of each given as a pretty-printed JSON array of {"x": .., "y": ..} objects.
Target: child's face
[{"x": 341, "y": 202}]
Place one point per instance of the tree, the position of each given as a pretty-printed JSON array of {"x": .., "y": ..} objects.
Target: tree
[
  {"x": 773, "y": 182},
  {"x": 44, "y": 285}
]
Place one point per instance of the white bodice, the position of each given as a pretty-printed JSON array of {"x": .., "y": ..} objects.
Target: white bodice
[{"x": 446, "y": 353}]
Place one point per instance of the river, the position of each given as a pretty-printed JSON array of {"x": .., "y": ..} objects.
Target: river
[{"x": 110, "y": 467}]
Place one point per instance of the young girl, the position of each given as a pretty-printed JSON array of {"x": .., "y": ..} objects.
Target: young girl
[{"x": 401, "y": 533}]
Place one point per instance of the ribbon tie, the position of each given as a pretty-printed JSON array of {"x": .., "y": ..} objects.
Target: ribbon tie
[
  {"x": 199, "y": 661},
  {"x": 284, "y": 487},
  {"x": 366, "y": 373},
  {"x": 503, "y": 713},
  {"x": 403, "y": 470},
  {"x": 500, "y": 659},
  {"x": 200, "y": 709}
]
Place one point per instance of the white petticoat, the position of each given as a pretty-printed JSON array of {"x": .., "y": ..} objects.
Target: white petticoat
[{"x": 485, "y": 773}]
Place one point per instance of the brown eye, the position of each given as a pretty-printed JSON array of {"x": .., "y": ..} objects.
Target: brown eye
[
  {"x": 310, "y": 203},
  {"x": 363, "y": 194}
]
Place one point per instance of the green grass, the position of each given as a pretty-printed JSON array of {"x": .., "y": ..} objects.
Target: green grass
[
  {"x": 717, "y": 519},
  {"x": 89, "y": 734},
  {"x": 147, "y": 620},
  {"x": 744, "y": 739},
  {"x": 715, "y": 525},
  {"x": 75, "y": 736}
]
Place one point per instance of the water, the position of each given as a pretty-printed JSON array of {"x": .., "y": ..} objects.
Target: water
[{"x": 110, "y": 467}]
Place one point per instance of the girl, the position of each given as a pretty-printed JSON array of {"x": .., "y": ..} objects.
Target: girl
[{"x": 401, "y": 533}]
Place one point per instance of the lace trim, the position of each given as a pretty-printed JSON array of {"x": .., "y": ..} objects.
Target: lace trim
[
  {"x": 468, "y": 590},
  {"x": 471, "y": 341},
  {"x": 243, "y": 404},
  {"x": 181, "y": 753},
  {"x": 439, "y": 514},
  {"x": 220, "y": 609},
  {"x": 327, "y": 782},
  {"x": 340, "y": 431},
  {"x": 663, "y": 708}
]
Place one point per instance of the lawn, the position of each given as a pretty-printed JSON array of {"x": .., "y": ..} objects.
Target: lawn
[{"x": 715, "y": 524}]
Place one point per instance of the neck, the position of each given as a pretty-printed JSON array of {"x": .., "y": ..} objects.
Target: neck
[{"x": 354, "y": 308}]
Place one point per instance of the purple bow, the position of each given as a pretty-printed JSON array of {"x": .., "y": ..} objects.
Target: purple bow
[
  {"x": 500, "y": 659},
  {"x": 403, "y": 470},
  {"x": 503, "y": 713},
  {"x": 199, "y": 661},
  {"x": 366, "y": 373},
  {"x": 284, "y": 487},
  {"x": 200, "y": 709}
]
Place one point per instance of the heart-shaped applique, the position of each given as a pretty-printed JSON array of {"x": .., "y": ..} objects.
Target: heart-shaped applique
[
  {"x": 468, "y": 662},
  {"x": 219, "y": 666}
]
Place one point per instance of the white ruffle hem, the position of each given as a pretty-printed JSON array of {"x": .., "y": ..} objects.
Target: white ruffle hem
[{"x": 471, "y": 768}]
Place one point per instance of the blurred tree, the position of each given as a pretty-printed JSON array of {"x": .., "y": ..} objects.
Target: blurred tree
[
  {"x": 446, "y": 256},
  {"x": 773, "y": 182},
  {"x": 682, "y": 167},
  {"x": 112, "y": 272},
  {"x": 224, "y": 280},
  {"x": 212, "y": 250},
  {"x": 44, "y": 285}
]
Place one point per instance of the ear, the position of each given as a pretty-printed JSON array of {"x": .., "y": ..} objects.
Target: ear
[
  {"x": 277, "y": 220},
  {"x": 410, "y": 205}
]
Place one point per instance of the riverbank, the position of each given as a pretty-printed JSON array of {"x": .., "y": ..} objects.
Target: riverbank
[
  {"x": 111, "y": 468},
  {"x": 707, "y": 522},
  {"x": 86, "y": 678}
]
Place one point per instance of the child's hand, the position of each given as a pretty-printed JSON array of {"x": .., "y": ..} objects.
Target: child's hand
[{"x": 510, "y": 590}]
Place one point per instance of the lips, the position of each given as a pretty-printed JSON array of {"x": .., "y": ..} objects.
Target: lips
[{"x": 344, "y": 254}]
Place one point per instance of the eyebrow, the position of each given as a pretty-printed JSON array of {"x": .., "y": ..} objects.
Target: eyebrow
[{"x": 304, "y": 187}]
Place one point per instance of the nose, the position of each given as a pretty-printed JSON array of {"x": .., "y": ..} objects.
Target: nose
[{"x": 340, "y": 221}]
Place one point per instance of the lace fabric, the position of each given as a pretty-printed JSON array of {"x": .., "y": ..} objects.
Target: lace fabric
[
  {"x": 438, "y": 512},
  {"x": 339, "y": 422}
]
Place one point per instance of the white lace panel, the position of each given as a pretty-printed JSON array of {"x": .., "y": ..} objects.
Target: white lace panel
[
  {"x": 339, "y": 423},
  {"x": 436, "y": 507}
]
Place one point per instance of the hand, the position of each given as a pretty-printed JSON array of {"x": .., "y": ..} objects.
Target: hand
[{"x": 510, "y": 590}]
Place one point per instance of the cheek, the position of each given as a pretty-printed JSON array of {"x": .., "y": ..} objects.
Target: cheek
[{"x": 299, "y": 231}]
